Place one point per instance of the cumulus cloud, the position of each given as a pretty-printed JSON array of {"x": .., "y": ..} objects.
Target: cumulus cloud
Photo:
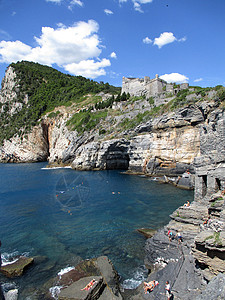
[
  {"x": 175, "y": 77},
  {"x": 164, "y": 39},
  {"x": 147, "y": 40},
  {"x": 68, "y": 47},
  {"x": 88, "y": 68},
  {"x": 198, "y": 79},
  {"x": 113, "y": 55},
  {"x": 167, "y": 38},
  {"x": 108, "y": 12}
]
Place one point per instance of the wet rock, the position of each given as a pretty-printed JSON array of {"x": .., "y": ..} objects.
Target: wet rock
[
  {"x": 147, "y": 232},
  {"x": 17, "y": 268}
]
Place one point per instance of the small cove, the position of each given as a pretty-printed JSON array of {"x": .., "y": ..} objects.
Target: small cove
[{"x": 63, "y": 215}]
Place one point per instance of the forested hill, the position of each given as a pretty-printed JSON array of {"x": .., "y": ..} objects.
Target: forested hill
[{"x": 40, "y": 89}]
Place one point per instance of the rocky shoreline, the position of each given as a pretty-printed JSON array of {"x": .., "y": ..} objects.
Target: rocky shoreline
[{"x": 193, "y": 267}]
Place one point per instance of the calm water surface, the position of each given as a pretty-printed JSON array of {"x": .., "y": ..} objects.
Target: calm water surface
[{"x": 62, "y": 215}]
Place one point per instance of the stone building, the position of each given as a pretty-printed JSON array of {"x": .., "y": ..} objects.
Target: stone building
[{"x": 150, "y": 87}]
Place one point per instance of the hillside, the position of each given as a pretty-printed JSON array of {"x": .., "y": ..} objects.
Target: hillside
[
  {"x": 38, "y": 89},
  {"x": 47, "y": 115}
]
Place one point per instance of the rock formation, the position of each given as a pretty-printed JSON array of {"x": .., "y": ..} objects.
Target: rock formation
[
  {"x": 106, "y": 287},
  {"x": 163, "y": 145},
  {"x": 195, "y": 267},
  {"x": 16, "y": 268}
]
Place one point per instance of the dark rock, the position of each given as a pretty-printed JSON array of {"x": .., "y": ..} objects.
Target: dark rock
[
  {"x": 148, "y": 233},
  {"x": 17, "y": 268}
]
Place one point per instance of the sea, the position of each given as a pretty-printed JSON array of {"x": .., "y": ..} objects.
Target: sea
[{"x": 60, "y": 216}]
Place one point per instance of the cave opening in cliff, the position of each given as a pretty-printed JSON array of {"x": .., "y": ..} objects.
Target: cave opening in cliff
[
  {"x": 117, "y": 161},
  {"x": 217, "y": 185},
  {"x": 45, "y": 133},
  {"x": 204, "y": 185}
]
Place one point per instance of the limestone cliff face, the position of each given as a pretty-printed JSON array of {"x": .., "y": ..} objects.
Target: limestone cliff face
[
  {"x": 31, "y": 148},
  {"x": 9, "y": 93},
  {"x": 166, "y": 144}
]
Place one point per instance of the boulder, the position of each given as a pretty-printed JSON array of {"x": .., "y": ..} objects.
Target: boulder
[
  {"x": 147, "y": 232},
  {"x": 101, "y": 269},
  {"x": 16, "y": 268},
  {"x": 11, "y": 295},
  {"x": 76, "y": 290}
]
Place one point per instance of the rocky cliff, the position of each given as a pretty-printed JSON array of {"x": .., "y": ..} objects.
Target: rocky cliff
[{"x": 128, "y": 137}]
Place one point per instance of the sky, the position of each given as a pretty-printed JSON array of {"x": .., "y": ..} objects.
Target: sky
[{"x": 104, "y": 40}]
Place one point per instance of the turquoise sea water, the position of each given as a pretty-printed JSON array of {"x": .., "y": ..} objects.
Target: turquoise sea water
[{"x": 63, "y": 215}]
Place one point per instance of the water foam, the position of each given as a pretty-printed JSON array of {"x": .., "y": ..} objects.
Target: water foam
[
  {"x": 55, "y": 168},
  {"x": 65, "y": 270},
  {"x": 139, "y": 275},
  {"x": 10, "y": 258},
  {"x": 54, "y": 291}
]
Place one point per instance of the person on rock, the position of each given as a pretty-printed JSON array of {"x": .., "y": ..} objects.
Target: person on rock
[
  {"x": 149, "y": 286},
  {"x": 168, "y": 290},
  {"x": 179, "y": 236},
  {"x": 170, "y": 235}
]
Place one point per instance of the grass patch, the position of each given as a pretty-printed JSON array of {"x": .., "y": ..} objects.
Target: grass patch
[{"x": 86, "y": 120}]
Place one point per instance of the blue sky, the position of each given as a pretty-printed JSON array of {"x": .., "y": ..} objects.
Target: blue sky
[{"x": 181, "y": 40}]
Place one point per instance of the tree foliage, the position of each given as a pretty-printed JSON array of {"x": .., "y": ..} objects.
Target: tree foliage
[{"x": 46, "y": 88}]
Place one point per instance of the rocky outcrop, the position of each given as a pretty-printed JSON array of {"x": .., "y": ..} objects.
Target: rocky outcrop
[
  {"x": 106, "y": 287},
  {"x": 215, "y": 289},
  {"x": 197, "y": 260},
  {"x": 16, "y": 268},
  {"x": 163, "y": 145}
]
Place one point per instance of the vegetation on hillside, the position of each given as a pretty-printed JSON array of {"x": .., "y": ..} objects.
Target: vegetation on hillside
[{"x": 46, "y": 88}]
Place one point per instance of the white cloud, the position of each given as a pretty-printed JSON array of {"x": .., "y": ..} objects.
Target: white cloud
[
  {"x": 183, "y": 39},
  {"x": 13, "y": 51},
  {"x": 71, "y": 4},
  {"x": 4, "y": 35},
  {"x": 137, "y": 4},
  {"x": 143, "y": 1},
  {"x": 167, "y": 38},
  {"x": 108, "y": 11},
  {"x": 68, "y": 47},
  {"x": 175, "y": 77},
  {"x": 75, "y": 2},
  {"x": 137, "y": 7},
  {"x": 88, "y": 68},
  {"x": 13, "y": 13},
  {"x": 147, "y": 40},
  {"x": 164, "y": 39},
  {"x": 113, "y": 55},
  {"x": 54, "y": 1},
  {"x": 198, "y": 79}
]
